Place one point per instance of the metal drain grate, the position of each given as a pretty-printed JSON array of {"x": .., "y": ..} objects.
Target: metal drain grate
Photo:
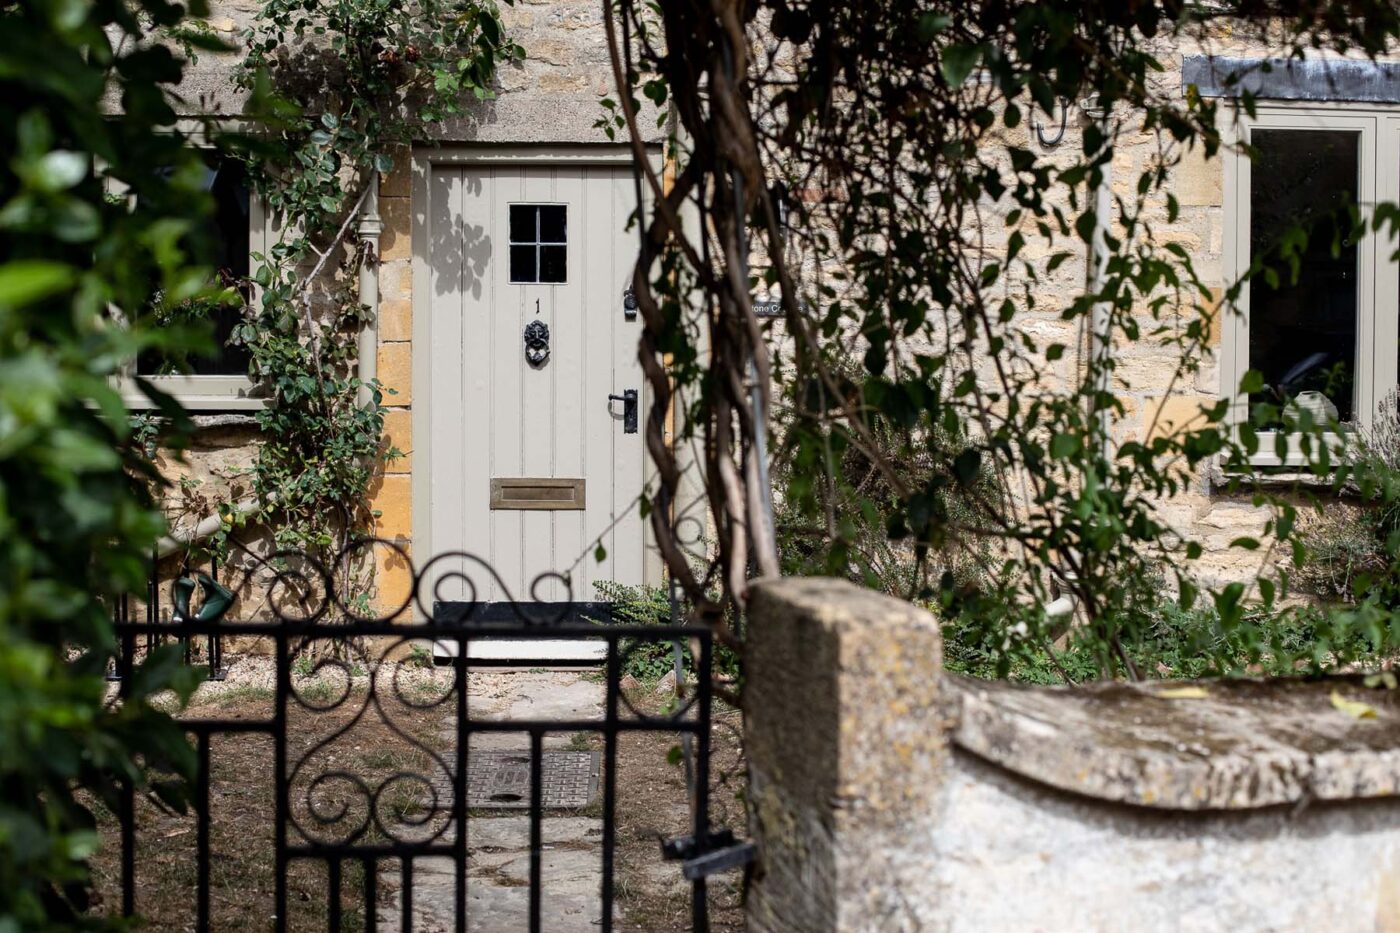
[{"x": 501, "y": 780}]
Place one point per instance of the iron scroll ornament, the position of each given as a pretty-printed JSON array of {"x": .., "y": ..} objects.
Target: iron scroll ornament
[{"x": 536, "y": 342}]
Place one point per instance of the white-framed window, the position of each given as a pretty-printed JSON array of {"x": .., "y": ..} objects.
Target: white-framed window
[
  {"x": 239, "y": 228},
  {"x": 1327, "y": 340},
  {"x": 539, "y": 244}
]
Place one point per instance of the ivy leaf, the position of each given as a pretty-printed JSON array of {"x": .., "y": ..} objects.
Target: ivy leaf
[
  {"x": 1384, "y": 679},
  {"x": 655, "y": 91},
  {"x": 957, "y": 62},
  {"x": 967, "y": 465},
  {"x": 1063, "y": 446},
  {"x": 491, "y": 30},
  {"x": 60, "y": 170},
  {"x": 931, "y": 24}
]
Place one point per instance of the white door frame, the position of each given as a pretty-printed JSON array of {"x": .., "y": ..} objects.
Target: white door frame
[{"x": 423, "y": 159}]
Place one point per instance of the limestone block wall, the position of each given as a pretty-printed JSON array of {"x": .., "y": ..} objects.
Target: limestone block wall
[
  {"x": 886, "y": 795},
  {"x": 391, "y": 494},
  {"x": 1157, "y": 400}
]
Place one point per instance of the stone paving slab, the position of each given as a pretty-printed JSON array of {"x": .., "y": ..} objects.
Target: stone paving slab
[
  {"x": 498, "y": 847},
  {"x": 507, "y": 695},
  {"x": 498, "y": 890}
]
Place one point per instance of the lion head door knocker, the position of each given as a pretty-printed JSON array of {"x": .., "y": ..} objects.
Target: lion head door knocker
[{"x": 536, "y": 342}]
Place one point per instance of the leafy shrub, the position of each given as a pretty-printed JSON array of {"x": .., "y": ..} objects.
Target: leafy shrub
[
  {"x": 840, "y": 517},
  {"x": 649, "y": 659},
  {"x": 1176, "y": 642},
  {"x": 78, "y": 269},
  {"x": 1351, "y": 546},
  {"x": 645, "y": 659},
  {"x": 1346, "y": 549}
]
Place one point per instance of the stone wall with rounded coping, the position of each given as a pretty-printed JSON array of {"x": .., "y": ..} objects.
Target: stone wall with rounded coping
[{"x": 887, "y": 795}]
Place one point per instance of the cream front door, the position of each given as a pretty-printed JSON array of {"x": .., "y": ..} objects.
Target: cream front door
[{"x": 534, "y": 393}]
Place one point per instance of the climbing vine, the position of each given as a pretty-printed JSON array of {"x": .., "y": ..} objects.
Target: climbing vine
[
  {"x": 944, "y": 390},
  {"x": 335, "y": 87}
]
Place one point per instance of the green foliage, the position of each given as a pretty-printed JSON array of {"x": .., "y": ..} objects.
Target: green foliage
[
  {"x": 345, "y": 72},
  {"x": 1174, "y": 643},
  {"x": 834, "y": 517},
  {"x": 190, "y": 316},
  {"x": 1352, "y": 535},
  {"x": 649, "y": 660},
  {"x": 342, "y": 82},
  {"x": 78, "y": 268},
  {"x": 320, "y": 447},
  {"x": 1346, "y": 550},
  {"x": 938, "y": 349},
  {"x": 1350, "y": 551}
]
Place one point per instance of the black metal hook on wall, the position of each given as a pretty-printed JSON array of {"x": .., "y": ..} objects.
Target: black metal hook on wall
[{"x": 1064, "y": 124}]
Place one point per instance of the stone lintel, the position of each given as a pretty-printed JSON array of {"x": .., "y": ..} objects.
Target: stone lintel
[{"x": 1316, "y": 79}]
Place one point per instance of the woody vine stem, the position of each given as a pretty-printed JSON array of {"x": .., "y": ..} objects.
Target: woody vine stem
[
  {"x": 915, "y": 411},
  {"x": 334, "y": 88}
]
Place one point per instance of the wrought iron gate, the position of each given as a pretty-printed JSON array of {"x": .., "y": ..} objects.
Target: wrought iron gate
[{"x": 329, "y": 812}]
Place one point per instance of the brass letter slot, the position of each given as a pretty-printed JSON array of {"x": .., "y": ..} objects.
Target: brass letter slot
[{"x": 536, "y": 493}]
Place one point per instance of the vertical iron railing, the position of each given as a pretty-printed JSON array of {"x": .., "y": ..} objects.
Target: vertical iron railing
[{"x": 161, "y": 624}]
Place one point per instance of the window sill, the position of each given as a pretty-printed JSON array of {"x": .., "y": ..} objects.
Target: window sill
[
  {"x": 200, "y": 403},
  {"x": 224, "y": 419},
  {"x": 199, "y": 393},
  {"x": 1221, "y": 475},
  {"x": 1294, "y": 456},
  {"x": 1288, "y": 470}
]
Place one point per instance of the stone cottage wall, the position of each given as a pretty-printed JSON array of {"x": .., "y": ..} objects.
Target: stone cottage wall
[
  {"x": 553, "y": 98},
  {"x": 1156, "y": 401}
]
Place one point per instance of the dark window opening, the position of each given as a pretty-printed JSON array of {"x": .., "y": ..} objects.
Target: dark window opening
[
  {"x": 225, "y": 244},
  {"x": 1302, "y": 333},
  {"x": 538, "y": 244}
]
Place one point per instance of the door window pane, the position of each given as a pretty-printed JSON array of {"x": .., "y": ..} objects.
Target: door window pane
[
  {"x": 553, "y": 220},
  {"x": 552, "y": 262},
  {"x": 538, "y": 243},
  {"x": 1302, "y": 333},
  {"x": 522, "y": 223},
  {"x": 522, "y": 264}
]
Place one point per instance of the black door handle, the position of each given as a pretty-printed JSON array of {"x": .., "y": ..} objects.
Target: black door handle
[{"x": 628, "y": 398}]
